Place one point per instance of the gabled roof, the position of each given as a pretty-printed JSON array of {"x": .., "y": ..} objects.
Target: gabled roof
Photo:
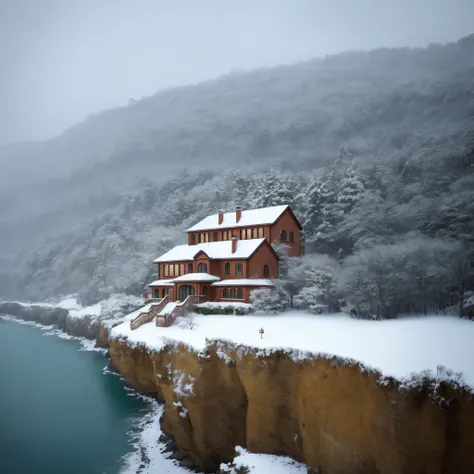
[
  {"x": 215, "y": 250},
  {"x": 251, "y": 217}
]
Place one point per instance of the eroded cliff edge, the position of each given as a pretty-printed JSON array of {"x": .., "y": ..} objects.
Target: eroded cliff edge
[{"x": 332, "y": 414}]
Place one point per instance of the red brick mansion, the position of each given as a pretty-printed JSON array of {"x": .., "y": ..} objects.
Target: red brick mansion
[{"x": 228, "y": 255}]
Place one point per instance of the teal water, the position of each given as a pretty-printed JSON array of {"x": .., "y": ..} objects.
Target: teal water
[{"x": 59, "y": 413}]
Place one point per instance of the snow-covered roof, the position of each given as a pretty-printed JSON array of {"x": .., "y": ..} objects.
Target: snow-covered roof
[
  {"x": 161, "y": 283},
  {"x": 196, "y": 277},
  {"x": 215, "y": 250},
  {"x": 244, "y": 282},
  {"x": 251, "y": 217}
]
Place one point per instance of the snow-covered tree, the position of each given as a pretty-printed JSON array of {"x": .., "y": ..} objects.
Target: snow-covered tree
[
  {"x": 319, "y": 282},
  {"x": 270, "y": 300}
]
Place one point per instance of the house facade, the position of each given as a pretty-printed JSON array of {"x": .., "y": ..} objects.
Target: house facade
[{"x": 228, "y": 255}]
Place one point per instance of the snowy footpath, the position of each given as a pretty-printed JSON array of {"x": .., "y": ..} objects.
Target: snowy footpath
[{"x": 398, "y": 348}]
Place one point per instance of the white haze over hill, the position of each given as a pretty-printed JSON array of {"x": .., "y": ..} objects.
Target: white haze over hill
[{"x": 62, "y": 61}]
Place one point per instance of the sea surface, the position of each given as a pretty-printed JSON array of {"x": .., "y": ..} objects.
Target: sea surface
[{"x": 59, "y": 412}]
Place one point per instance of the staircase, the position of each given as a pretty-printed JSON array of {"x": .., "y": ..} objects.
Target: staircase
[
  {"x": 168, "y": 315},
  {"x": 165, "y": 312},
  {"x": 146, "y": 316}
]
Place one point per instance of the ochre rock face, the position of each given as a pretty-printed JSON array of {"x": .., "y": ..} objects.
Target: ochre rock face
[
  {"x": 102, "y": 338},
  {"x": 135, "y": 365},
  {"x": 333, "y": 416}
]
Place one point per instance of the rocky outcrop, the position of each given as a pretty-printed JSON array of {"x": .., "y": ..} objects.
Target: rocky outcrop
[
  {"x": 87, "y": 326},
  {"x": 102, "y": 339},
  {"x": 40, "y": 314},
  {"x": 333, "y": 415}
]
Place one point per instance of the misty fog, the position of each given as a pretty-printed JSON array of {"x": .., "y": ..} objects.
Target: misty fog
[
  {"x": 64, "y": 60},
  {"x": 359, "y": 117}
]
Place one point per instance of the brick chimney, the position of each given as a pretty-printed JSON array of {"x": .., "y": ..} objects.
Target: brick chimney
[
  {"x": 234, "y": 243},
  {"x": 220, "y": 217},
  {"x": 238, "y": 213}
]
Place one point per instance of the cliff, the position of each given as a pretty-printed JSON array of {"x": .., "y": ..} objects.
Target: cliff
[
  {"x": 334, "y": 415},
  {"x": 92, "y": 322}
]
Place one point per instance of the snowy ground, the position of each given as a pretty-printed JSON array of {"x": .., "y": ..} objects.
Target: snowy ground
[
  {"x": 264, "y": 464},
  {"x": 230, "y": 304},
  {"x": 146, "y": 446},
  {"x": 397, "y": 348}
]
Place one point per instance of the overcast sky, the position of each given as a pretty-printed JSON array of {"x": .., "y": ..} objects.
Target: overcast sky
[{"x": 62, "y": 60}]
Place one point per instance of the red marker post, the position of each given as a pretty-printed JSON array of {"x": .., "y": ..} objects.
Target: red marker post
[{"x": 261, "y": 331}]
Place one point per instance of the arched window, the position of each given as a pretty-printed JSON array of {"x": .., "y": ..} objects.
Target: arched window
[
  {"x": 292, "y": 237},
  {"x": 265, "y": 270},
  {"x": 283, "y": 235},
  {"x": 193, "y": 239},
  {"x": 240, "y": 294},
  {"x": 204, "y": 290},
  {"x": 215, "y": 237},
  {"x": 227, "y": 269},
  {"x": 225, "y": 293},
  {"x": 202, "y": 268},
  {"x": 238, "y": 269},
  {"x": 190, "y": 268},
  {"x": 156, "y": 293},
  {"x": 163, "y": 292},
  {"x": 232, "y": 293}
]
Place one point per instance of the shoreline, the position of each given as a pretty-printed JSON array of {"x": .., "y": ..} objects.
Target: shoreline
[{"x": 144, "y": 437}]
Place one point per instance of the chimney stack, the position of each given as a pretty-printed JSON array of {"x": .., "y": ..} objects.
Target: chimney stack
[
  {"x": 238, "y": 213},
  {"x": 234, "y": 243},
  {"x": 220, "y": 218}
]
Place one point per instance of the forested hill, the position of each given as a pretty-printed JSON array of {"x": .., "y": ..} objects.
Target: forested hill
[{"x": 373, "y": 149}]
